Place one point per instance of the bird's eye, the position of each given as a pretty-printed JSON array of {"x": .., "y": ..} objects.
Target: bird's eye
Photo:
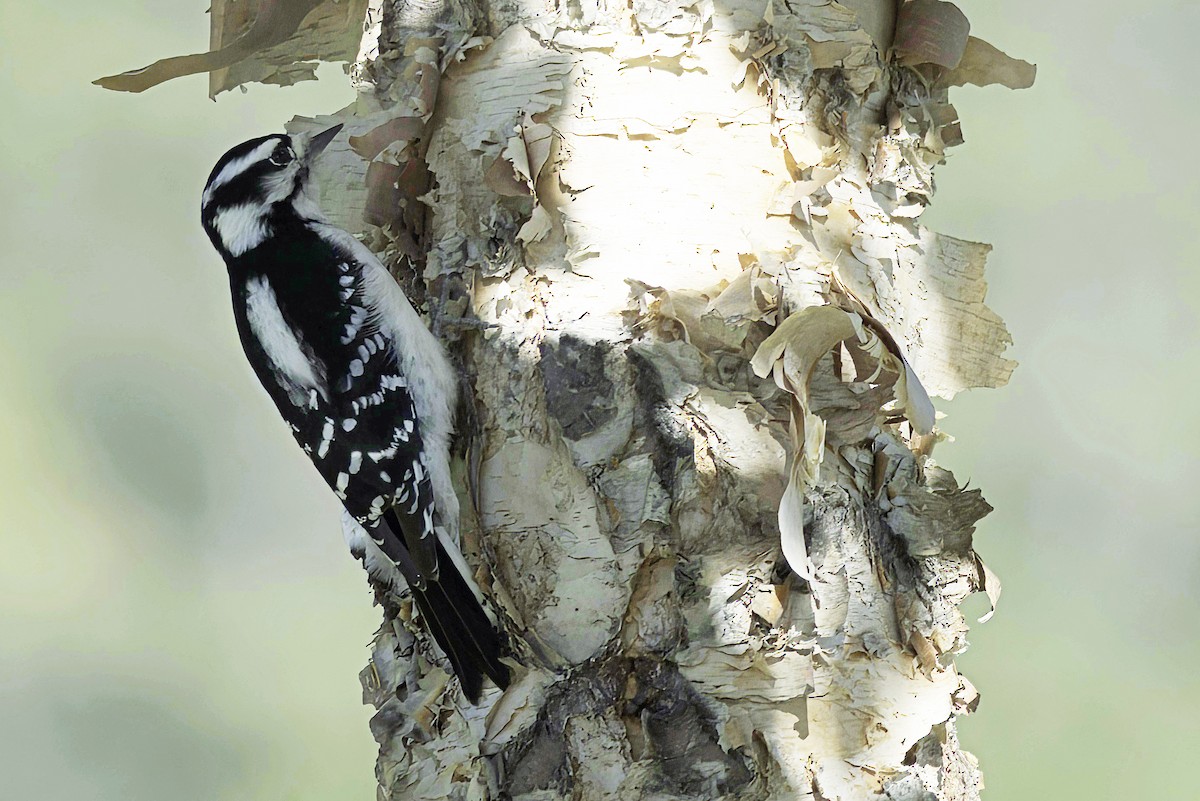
[{"x": 282, "y": 156}]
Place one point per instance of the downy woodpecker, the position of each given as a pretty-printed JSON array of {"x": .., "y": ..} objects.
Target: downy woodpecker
[{"x": 365, "y": 387}]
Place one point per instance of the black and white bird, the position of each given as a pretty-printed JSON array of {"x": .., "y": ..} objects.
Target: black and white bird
[{"x": 368, "y": 391}]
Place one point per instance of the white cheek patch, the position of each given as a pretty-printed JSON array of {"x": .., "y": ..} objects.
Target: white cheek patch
[
  {"x": 278, "y": 186},
  {"x": 241, "y": 228},
  {"x": 295, "y": 371}
]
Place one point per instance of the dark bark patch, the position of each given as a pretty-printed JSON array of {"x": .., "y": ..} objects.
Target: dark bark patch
[
  {"x": 671, "y": 443},
  {"x": 539, "y": 759},
  {"x": 665, "y": 721},
  {"x": 679, "y": 734},
  {"x": 579, "y": 394},
  {"x": 543, "y": 765}
]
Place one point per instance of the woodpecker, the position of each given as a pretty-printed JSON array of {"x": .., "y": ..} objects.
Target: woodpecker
[{"x": 365, "y": 387}]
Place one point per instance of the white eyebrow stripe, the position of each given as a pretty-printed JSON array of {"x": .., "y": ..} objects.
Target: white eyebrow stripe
[{"x": 235, "y": 168}]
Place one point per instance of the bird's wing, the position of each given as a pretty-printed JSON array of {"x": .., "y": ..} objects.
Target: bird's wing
[
  {"x": 359, "y": 424},
  {"x": 376, "y": 443}
]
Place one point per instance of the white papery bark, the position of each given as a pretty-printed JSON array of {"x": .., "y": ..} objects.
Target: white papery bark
[{"x": 702, "y": 315}]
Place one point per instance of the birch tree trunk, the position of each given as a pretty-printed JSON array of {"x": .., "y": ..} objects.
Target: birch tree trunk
[
  {"x": 710, "y": 318},
  {"x": 676, "y": 248}
]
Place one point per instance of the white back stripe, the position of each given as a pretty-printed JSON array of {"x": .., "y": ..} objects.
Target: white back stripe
[{"x": 294, "y": 370}]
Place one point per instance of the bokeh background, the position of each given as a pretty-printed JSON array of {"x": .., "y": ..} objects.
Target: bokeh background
[{"x": 179, "y": 617}]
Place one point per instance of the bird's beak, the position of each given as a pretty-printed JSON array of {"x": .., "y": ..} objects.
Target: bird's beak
[{"x": 320, "y": 141}]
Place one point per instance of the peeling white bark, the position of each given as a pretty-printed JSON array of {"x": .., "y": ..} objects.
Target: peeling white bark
[{"x": 705, "y": 318}]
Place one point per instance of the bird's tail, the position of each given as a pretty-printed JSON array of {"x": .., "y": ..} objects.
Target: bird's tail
[{"x": 461, "y": 627}]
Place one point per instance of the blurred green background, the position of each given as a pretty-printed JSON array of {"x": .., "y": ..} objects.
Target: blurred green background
[{"x": 165, "y": 556}]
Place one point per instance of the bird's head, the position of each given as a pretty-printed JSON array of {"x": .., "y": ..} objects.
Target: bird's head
[{"x": 257, "y": 183}]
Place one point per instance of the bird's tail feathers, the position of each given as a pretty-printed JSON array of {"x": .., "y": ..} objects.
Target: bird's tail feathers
[{"x": 461, "y": 627}]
